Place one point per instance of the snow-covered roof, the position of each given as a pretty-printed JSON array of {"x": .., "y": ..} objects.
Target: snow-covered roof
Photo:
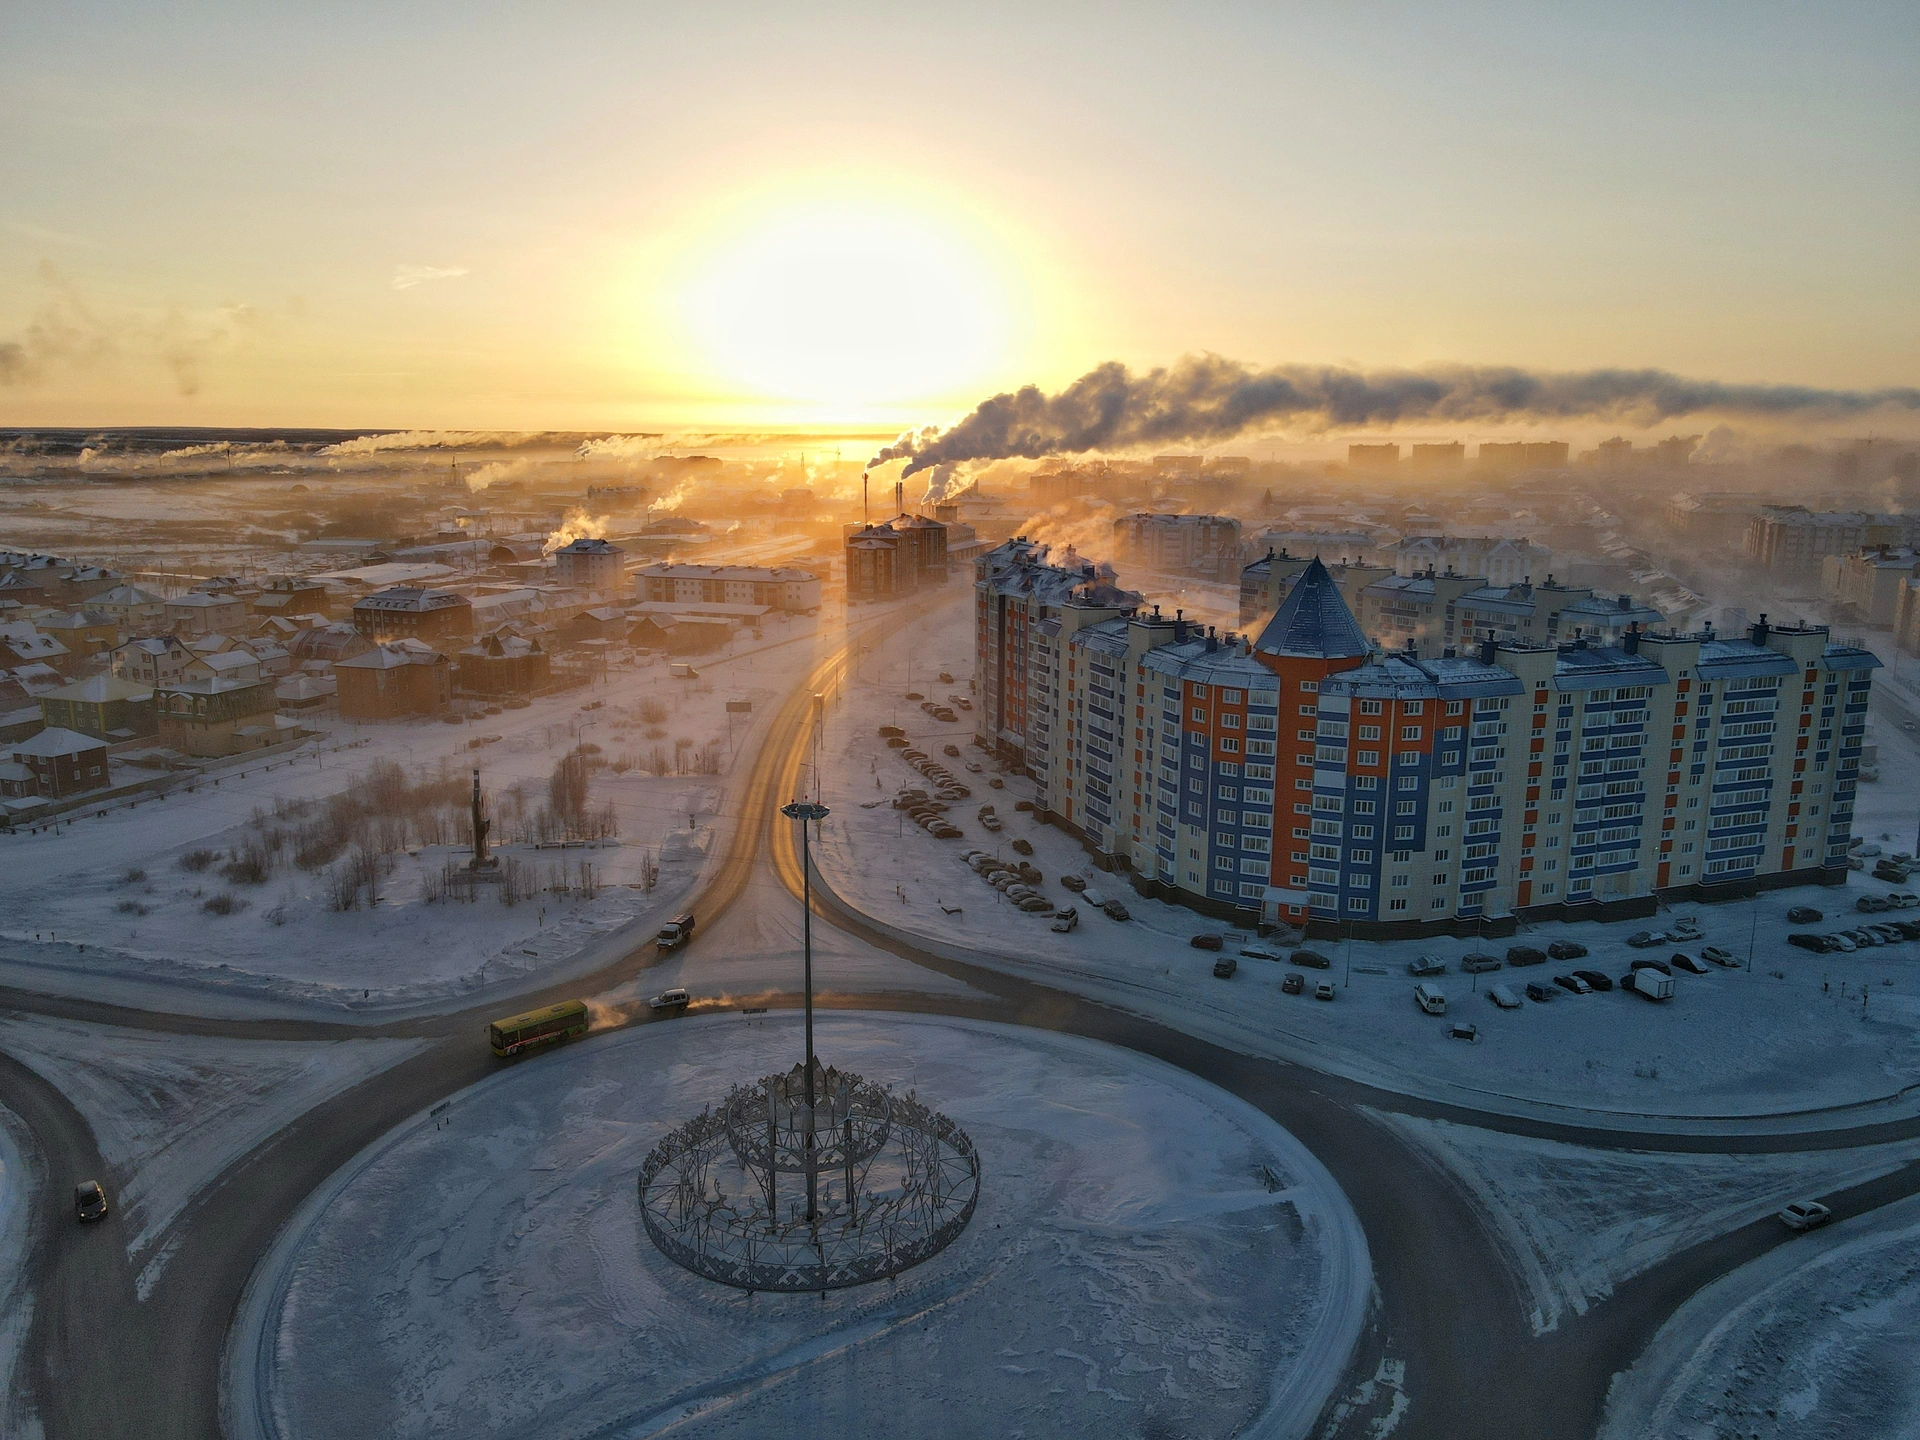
[
  {"x": 1400, "y": 677},
  {"x": 394, "y": 655},
  {"x": 100, "y": 690},
  {"x": 1588, "y": 667},
  {"x": 55, "y": 741},
  {"x": 1314, "y": 621}
]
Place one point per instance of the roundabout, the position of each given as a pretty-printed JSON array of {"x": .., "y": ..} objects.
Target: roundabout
[{"x": 1135, "y": 1248}]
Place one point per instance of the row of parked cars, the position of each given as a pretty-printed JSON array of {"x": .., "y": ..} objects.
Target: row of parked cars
[{"x": 1861, "y": 937}]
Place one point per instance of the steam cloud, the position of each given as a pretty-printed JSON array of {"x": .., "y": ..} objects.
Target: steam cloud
[{"x": 1208, "y": 398}]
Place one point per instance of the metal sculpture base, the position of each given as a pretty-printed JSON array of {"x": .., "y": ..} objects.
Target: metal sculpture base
[{"x": 891, "y": 1183}]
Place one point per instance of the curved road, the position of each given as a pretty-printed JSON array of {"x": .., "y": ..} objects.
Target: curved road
[{"x": 100, "y": 1363}]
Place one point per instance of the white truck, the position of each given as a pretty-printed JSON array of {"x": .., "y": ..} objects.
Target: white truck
[
  {"x": 675, "y": 933},
  {"x": 1650, "y": 984}
]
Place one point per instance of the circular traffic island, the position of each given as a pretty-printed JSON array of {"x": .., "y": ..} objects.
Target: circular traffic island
[{"x": 1123, "y": 1250}]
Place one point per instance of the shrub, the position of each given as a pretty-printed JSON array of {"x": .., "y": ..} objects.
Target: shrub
[
  {"x": 222, "y": 904},
  {"x": 131, "y": 907},
  {"x": 197, "y": 860},
  {"x": 653, "y": 712},
  {"x": 133, "y": 875}
]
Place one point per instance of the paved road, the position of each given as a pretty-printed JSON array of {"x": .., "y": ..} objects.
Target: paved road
[{"x": 103, "y": 1365}]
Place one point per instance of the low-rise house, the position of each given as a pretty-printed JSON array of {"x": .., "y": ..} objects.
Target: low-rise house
[
  {"x": 152, "y": 660},
  {"x": 410, "y": 612},
  {"x": 26, "y": 645},
  {"x": 318, "y": 650},
  {"x": 103, "y": 706},
  {"x": 63, "y": 762},
  {"x": 84, "y": 632},
  {"x": 200, "y": 612},
  {"x": 504, "y": 663},
  {"x": 289, "y": 596},
  {"x": 214, "y": 716},
  {"x": 136, "y": 611},
  {"x": 395, "y": 681}
]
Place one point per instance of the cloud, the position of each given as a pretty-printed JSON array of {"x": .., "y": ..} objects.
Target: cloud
[
  {"x": 1206, "y": 398},
  {"x": 405, "y": 277}
]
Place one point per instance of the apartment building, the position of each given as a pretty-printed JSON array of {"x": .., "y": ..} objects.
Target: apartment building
[
  {"x": 1792, "y": 538},
  {"x": 1869, "y": 583},
  {"x": 1187, "y": 544},
  {"x": 772, "y": 587}
]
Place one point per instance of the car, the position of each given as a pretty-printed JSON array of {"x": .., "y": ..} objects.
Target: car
[
  {"x": 675, "y": 999},
  {"x": 1022, "y": 847},
  {"x": 1504, "y": 997},
  {"x": 1595, "y": 980},
  {"x": 1426, "y": 965},
  {"x": 1573, "y": 983},
  {"x": 1525, "y": 955},
  {"x": 1682, "y": 961},
  {"x": 1720, "y": 956},
  {"x": 1862, "y": 938},
  {"x": 1646, "y": 939},
  {"x": 1908, "y": 928},
  {"x": 1903, "y": 899},
  {"x": 1871, "y": 905},
  {"x": 1323, "y": 990},
  {"x": 1844, "y": 944},
  {"x": 1805, "y": 1215},
  {"x": 89, "y": 1201},
  {"x": 1806, "y": 940},
  {"x": 1312, "y": 959},
  {"x": 1206, "y": 942},
  {"x": 1541, "y": 992},
  {"x": 1224, "y": 967},
  {"x": 1804, "y": 915},
  {"x": 1073, "y": 882},
  {"x": 1479, "y": 964},
  {"x": 1293, "y": 984},
  {"x": 1114, "y": 910},
  {"x": 1890, "y": 934},
  {"x": 1065, "y": 920},
  {"x": 1660, "y": 965},
  {"x": 1566, "y": 950},
  {"x": 675, "y": 933},
  {"x": 1430, "y": 998}
]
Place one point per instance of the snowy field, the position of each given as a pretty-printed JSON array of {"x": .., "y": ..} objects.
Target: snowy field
[
  {"x": 171, "y": 1112},
  {"x": 1813, "y": 1341},
  {"x": 19, "y": 1196},
  {"x": 103, "y": 906},
  {"x": 1130, "y": 1269},
  {"x": 1576, "y": 1222},
  {"x": 1798, "y": 1032}
]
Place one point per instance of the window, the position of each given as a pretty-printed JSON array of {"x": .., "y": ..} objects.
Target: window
[
  {"x": 1413, "y": 707},
  {"x": 1309, "y": 687},
  {"x": 1231, "y": 697},
  {"x": 1399, "y": 904},
  {"x": 1456, "y": 707},
  {"x": 1369, "y": 707},
  {"x": 1369, "y": 732},
  {"x": 1368, "y": 757},
  {"x": 1230, "y": 721},
  {"x": 1230, "y": 746},
  {"x": 1409, "y": 732},
  {"x": 1359, "y": 902},
  {"x": 1199, "y": 716},
  {"x": 1366, "y": 782},
  {"x": 1223, "y": 862},
  {"x": 1409, "y": 757},
  {"x": 1309, "y": 709},
  {"x": 1399, "y": 882},
  {"x": 1363, "y": 832},
  {"x": 1403, "y": 832}
]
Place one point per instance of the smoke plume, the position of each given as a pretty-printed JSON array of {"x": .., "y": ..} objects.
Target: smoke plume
[
  {"x": 578, "y": 525},
  {"x": 1207, "y": 398}
]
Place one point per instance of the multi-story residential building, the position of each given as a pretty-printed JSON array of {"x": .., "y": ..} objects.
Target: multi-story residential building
[
  {"x": 409, "y": 612},
  {"x": 1523, "y": 455},
  {"x": 1868, "y": 583},
  {"x": 1188, "y": 544},
  {"x": 396, "y": 681},
  {"x": 214, "y": 716},
  {"x": 1432, "y": 612},
  {"x": 589, "y": 564},
  {"x": 200, "y": 612},
  {"x": 1580, "y": 779},
  {"x": 771, "y": 587},
  {"x": 1906, "y": 616},
  {"x": 1501, "y": 561},
  {"x": 1791, "y": 538},
  {"x": 894, "y": 557},
  {"x": 1266, "y": 582}
]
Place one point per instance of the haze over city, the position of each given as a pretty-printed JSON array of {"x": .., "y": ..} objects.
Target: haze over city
[{"x": 1002, "y": 721}]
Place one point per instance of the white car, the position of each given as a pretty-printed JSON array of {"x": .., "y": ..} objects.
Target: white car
[
  {"x": 1805, "y": 1215},
  {"x": 675, "y": 999},
  {"x": 1504, "y": 997}
]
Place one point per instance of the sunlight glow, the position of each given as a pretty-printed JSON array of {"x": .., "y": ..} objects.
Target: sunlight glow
[{"x": 849, "y": 308}]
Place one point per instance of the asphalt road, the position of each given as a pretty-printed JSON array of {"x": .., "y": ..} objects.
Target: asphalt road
[{"x": 103, "y": 1364}]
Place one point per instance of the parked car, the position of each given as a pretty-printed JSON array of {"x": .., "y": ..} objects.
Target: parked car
[
  {"x": 1686, "y": 962},
  {"x": 1573, "y": 983},
  {"x": 1541, "y": 992},
  {"x": 1022, "y": 847},
  {"x": 1646, "y": 939},
  {"x": 1463, "y": 1030},
  {"x": 1903, "y": 899},
  {"x": 1430, "y": 998},
  {"x": 1504, "y": 997},
  {"x": 1427, "y": 965},
  {"x": 1114, "y": 910},
  {"x": 1595, "y": 979},
  {"x": 1566, "y": 950},
  {"x": 1206, "y": 942},
  {"x": 1479, "y": 964},
  {"x": 1066, "y": 919},
  {"x": 1224, "y": 967},
  {"x": 1073, "y": 882},
  {"x": 1323, "y": 990},
  {"x": 1842, "y": 943},
  {"x": 1312, "y": 959},
  {"x": 89, "y": 1201},
  {"x": 1719, "y": 956},
  {"x": 1871, "y": 905},
  {"x": 1660, "y": 965},
  {"x": 1804, "y": 915},
  {"x": 1293, "y": 984},
  {"x": 1805, "y": 1215},
  {"x": 1525, "y": 955},
  {"x": 1908, "y": 928},
  {"x": 1806, "y": 940},
  {"x": 1891, "y": 934}
]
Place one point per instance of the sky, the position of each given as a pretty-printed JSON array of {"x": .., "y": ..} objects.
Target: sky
[{"x": 587, "y": 216}]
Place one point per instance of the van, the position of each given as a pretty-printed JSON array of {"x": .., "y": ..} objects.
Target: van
[
  {"x": 1430, "y": 998},
  {"x": 1504, "y": 997},
  {"x": 680, "y": 670},
  {"x": 1648, "y": 983},
  {"x": 1540, "y": 992},
  {"x": 675, "y": 933}
]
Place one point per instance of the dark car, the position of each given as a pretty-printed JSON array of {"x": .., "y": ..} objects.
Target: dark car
[
  {"x": 1525, "y": 955},
  {"x": 1312, "y": 959},
  {"x": 1908, "y": 928},
  {"x": 1479, "y": 963},
  {"x": 1225, "y": 966},
  {"x": 1804, "y": 915},
  {"x": 1114, "y": 910},
  {"x": 89, "y": 1201},
  {"x": 1566, "y": 950},
  {"x": 1660, "y": 965},
  {"x": 1293, "y": 984},
  {"x": 1595, "y": 979},
  {"x": 1206, "y": 942},
  {"x": 1809, "y": 941},
  {"x": 1540, "y": 992},
  {"x": 1682, "y": 961},
  {"x": 1871, "y": 904},
  {"x": 1573, "y": 984},
  {"x": 1644, "y": 939}
]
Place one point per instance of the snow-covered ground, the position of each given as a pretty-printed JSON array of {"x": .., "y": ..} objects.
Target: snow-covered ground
[
  {"x": 1577, "y": 1222},
  {"x": 1814, "y": 1341},
  {"x": 170, "y": 1112},
  {"x": 102, "y": 907},
  {"x": 1129, "y": 1269},
  {"x": 19, "y": 1198},
  {"x": 1792, "y": 1035}
]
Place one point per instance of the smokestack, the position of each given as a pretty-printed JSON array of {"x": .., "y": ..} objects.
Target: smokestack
[
  {"x": 899, "y": 498},
  {"x": 1488, "y": 648},
  {"x": 1630, "y": 642},
  {"x": 1759, "y": 630}
]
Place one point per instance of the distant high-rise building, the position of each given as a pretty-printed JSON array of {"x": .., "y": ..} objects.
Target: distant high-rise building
[
  {"x": 1373, "y": 457},
  {"x": 1523, "y": 455},
  {"x": 1449, "y": 456}
]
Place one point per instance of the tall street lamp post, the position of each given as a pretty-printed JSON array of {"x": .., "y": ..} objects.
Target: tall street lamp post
[{"x": 803, "y": 811}]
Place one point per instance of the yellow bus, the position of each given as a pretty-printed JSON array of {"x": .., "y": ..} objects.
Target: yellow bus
[{"x": 517, "y": 1034}]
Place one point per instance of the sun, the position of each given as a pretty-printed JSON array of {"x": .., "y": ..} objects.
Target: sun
[{"x": 849, "y": 308}]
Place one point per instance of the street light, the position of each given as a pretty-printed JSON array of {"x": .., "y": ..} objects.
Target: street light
[{"x": 803, "y": 811}]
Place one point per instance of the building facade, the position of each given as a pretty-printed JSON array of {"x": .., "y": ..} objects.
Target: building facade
[
  {"x": 595, "y": 565},
  {"x": 1189, "y": 544},
  {"x": 776, "y": 587},
  {"x": 211, "y": 717},
  {"x": 399, "y": 680},
  {"x": 408, "y": 612}
]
